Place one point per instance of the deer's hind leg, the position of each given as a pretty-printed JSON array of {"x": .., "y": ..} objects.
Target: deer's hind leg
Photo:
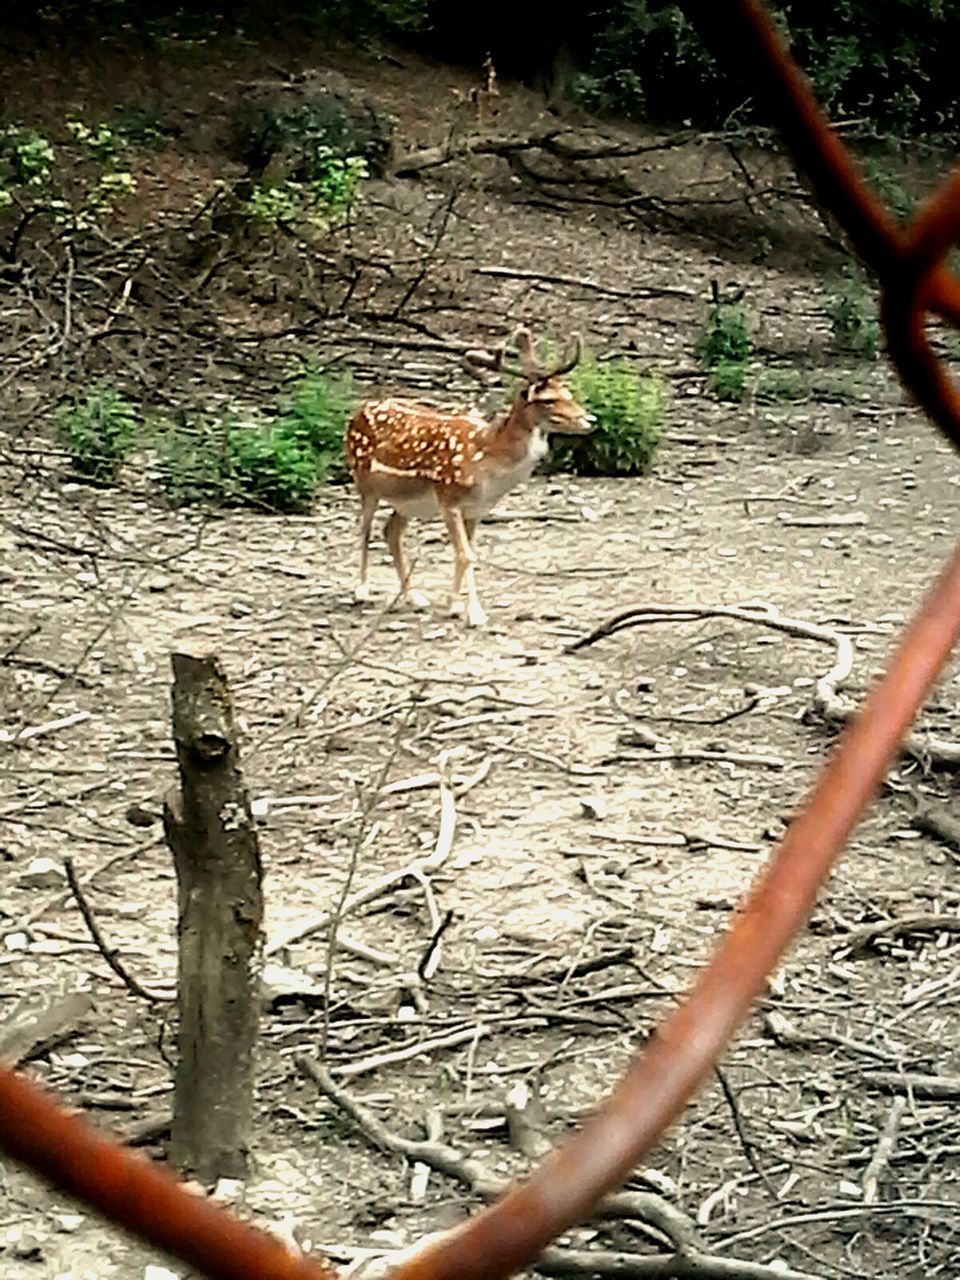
[
  {"x": 368, "y": 509},
  {"x": 394, "y": 531}
]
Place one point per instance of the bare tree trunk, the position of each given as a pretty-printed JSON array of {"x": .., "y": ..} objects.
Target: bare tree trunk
[
  {"x": 211, "y": 834},
  {"x": 556, "y": 79}
]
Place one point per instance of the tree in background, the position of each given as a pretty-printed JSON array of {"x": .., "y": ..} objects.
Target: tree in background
[{"x": 885, "y": 64}]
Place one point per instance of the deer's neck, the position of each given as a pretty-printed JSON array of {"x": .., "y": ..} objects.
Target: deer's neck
[{"x": 513, "y": 442}]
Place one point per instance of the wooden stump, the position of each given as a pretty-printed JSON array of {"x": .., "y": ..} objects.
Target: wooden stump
[{"x": 212, "y": 836}]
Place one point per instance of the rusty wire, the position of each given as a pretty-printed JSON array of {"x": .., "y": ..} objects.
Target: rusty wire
[{"x": 908, "y": 261}]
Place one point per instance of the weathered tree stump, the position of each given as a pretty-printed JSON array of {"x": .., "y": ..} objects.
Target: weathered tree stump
[{"x": 211, "y": 834}]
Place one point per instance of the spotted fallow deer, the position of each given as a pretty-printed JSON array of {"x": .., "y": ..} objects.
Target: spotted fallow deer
[{"x": 424, "y": 462}]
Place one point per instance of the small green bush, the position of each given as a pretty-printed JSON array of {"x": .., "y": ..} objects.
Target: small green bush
[
  {"x": 779, "y": 386},
  {"x": 724, "y": 349},
  {"x": 325, "y": 197},
  {"x": 192, "y": 463},
  {"x": 853, "y": 314},
  {"x": 271, "y": 466},
  {"x": 34, "y": 175},
  {"x": 728, "y": 380},
  {"x": 141, "y": 128},
  {"x": 629, "y": 409},
  {"x": 891, "y": 187},
  {"x": 726, "y": 336},
  {"x": 318, "y": 414},
  {"x": 98, "y": 430}
]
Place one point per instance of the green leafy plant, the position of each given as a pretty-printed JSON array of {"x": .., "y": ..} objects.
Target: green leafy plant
[
  {"x": 324, "y": 197},
  {"x": 891, "y": 187},
  {"x": 853, "y": 314},
  {"x": 271, "y": 466},
  {"x": 726, "y": 335},
  {"x": 98, "y": 430},
  {"x": 728, "y": 380},
  {"x": 276, "y": 205},
  {"x": 317, "y": 414},
  {"x": 333, "y": 180},
  {"x": 192, "y": 462},
  {"x": 139, "y": 127},
  {"x": 724, "y": 349},
  {"x": 779, "y": 386},
  {"x": 33, "y": 175},
  {"x": 274, "y": 465},
  {"x": 629, "y": 409},
  {"x": 886, "y": 64},
  {"x": 368, "y": 20}
]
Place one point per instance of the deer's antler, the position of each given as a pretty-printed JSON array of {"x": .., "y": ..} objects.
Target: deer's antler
[
  {"x": 567, "y": 362},
  {"x": 478, "y": 358},
  {"x": 533, "y": 370},
  {"x": 528, "y": 357}
]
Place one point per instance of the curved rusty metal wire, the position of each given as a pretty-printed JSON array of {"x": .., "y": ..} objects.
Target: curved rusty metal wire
[
  {"x": 508, "y": 1235},
  {"x": 141, "y": 1196}
]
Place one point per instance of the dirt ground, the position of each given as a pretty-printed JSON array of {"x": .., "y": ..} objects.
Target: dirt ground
[{"x": 598, "y": 853}]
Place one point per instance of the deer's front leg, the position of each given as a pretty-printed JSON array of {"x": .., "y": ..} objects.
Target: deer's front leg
[
  {"x": 456, "y": 603},
  {"x": 463, "y": 571},
  {"x": 394, "y": 531}
]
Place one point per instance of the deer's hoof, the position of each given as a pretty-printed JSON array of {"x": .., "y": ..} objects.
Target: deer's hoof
[
  {"x": 361, "y": 592},
  {"x": 476, "y": 616},
  {"x": 417, "y": 600}
]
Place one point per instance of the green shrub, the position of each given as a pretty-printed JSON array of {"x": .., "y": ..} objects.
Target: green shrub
[
  {"x": 853, "y": 314},
  {"x": 192, "y": 463},
  {"x": 270, "y": 467},
  {"x": 889, "y": 64},
  {"x": 728, "y": 380},
  {"x": 34, "y": 175},
  {"x": 324, "y": 197},
  {"x": 726, "y": 336},
  {"x": 724, "y": 349},
  {"x": 779, "y": 386},
  {"x": 139, "y": 127},
  {"x": 98, "y": 430},
  {"x": 318, "y": 414},
  {"x": 629, "y": 409},
  {"x": 890, "y": 187},
  {"x": 822, "y": 386}
]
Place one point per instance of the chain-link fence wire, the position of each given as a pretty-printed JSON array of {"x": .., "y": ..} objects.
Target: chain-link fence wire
[{"x": 908, "y": 261}]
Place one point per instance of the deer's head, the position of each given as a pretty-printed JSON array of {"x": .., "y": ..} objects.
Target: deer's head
[{"x": 546, "y": 398}]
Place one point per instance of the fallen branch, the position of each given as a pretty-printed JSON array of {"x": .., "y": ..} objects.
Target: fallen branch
[
  {"x": 474, "y": 144},
  {"x": 940, "y": 824},
  {"x": 645, "y": 1208},
  {"x": 109, "y": 953},
  {"x": 419, "y": 867},
  {"x": 581, "y": 282},
  {"x": 842, "y": 520},
  {"x": 41, "y": 730},
  {"x": 374, "y": 1061},
  {"x": 934, "y": 1088},
  {"x": 827, "y": 703},
  {"x": 861, "y": 938},
  {"x": 881, "y": 1157},
  {"x": 27, "y": 1033},
  {"x": 693, "y": 754}
]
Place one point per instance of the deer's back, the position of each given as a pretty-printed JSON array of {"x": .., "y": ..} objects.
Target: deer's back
[{"x": 411, "y": 438}]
